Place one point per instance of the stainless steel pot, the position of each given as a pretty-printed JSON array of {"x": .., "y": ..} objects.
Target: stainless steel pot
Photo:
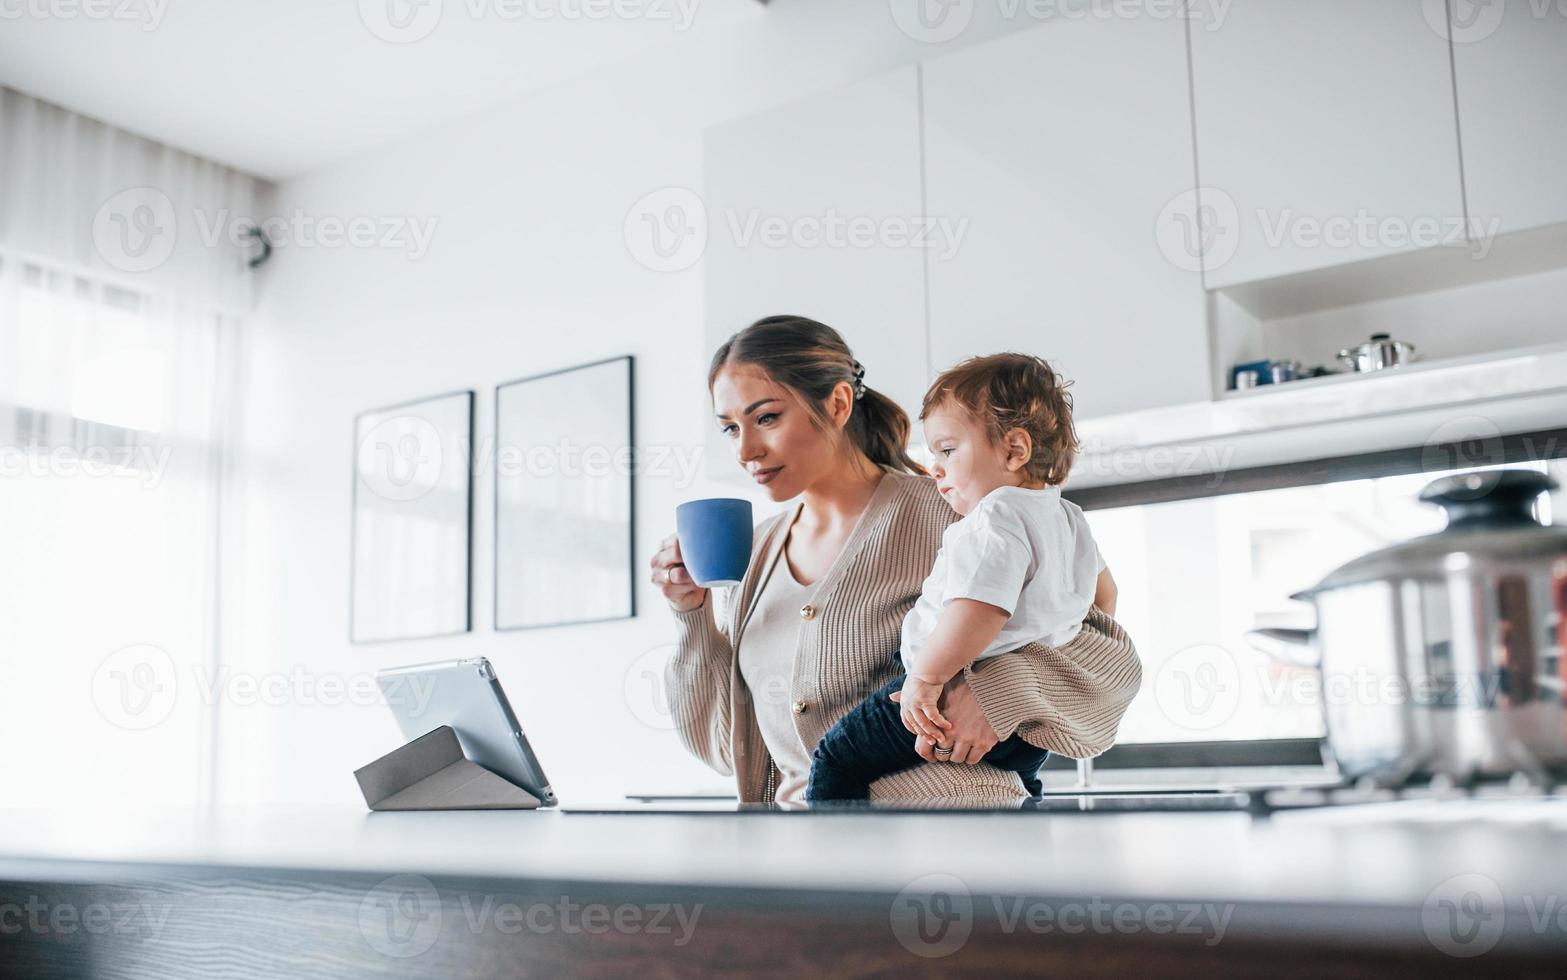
[
  {"x": 1378, "y": 353},
  {"x": 1444, "y": 655}
]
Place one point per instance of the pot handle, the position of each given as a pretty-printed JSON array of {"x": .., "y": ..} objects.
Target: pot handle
[
  {"x": 1489, "y": 499},
  {"x": 1297, "y": 648}
]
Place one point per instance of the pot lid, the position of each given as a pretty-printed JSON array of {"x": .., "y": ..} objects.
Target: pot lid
[{"x": 1489, "y": 519}]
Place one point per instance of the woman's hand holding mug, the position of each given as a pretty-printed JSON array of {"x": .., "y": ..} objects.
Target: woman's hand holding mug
[
  {"x": 672, "y": 579},
  {"x": 716, "y": 549}
]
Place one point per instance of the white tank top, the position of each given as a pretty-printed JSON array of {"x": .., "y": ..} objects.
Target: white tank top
[{"x": 767, "y": 655}]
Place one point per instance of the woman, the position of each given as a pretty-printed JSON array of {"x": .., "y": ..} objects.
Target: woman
[{"x": 813, "y": 626}]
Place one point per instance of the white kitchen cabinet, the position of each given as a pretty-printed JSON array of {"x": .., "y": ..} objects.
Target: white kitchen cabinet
[
  {"x": 1325, "y": 133},
  {"x": 1510, "y": 59},
  {"x": 813, "y": 209},
  {"x": 1067, "y": 150}
]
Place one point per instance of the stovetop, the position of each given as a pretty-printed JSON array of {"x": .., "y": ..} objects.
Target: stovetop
[
  {"x": 1263, "y": 801},
  {"x": 1259, "y": 800}
]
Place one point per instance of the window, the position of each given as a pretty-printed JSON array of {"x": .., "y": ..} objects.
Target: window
[
  {"x": 1198, "y": 571},
  {"x": 108, "y": 405}
]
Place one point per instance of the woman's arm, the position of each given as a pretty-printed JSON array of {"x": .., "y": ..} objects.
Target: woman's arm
[
  {"x": 696, "y": 686},
  {"x": 1068, "y": 699},
  {"x": 697, "y": 677}
]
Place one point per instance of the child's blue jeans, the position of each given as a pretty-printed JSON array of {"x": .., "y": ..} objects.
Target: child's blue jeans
[{"x": 870, "y": 742}]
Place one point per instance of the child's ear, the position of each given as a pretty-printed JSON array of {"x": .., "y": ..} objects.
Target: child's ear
[{"x": 1020, "y": 449}]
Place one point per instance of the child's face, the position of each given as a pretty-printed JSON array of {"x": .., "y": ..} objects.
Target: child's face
[{"x": 967, "y": 464}]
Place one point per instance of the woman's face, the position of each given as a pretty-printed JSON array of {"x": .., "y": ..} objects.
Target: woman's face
[{"x": 771, "y": 431}]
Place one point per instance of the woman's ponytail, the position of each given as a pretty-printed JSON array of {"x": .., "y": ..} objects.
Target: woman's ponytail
[
  {"x": 812, "y": 359},
  {"x": 881, "y": 429}
]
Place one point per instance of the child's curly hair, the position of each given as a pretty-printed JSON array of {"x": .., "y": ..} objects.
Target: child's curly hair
[{"x": 1008, "y": 391}]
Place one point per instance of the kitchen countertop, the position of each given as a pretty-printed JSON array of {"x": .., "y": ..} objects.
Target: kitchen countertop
[
  {"x": 1389, "y": 875},
  {"x": 1390, "y": 854}
]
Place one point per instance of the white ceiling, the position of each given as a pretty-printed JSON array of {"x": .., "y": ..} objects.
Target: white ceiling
[{"x": 277, "y": 88}]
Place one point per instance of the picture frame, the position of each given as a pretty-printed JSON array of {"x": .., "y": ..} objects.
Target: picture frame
[
  {"x": 411, "y": 537},
  {"x": 565, "y": 496}
]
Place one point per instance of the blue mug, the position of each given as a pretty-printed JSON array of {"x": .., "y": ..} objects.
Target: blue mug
[{"x": 715, "y": 539}]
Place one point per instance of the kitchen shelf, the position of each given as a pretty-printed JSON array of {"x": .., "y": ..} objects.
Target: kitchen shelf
[
  {"x": 1426, "y": 403},
  {"x": 1403, "y": 371}
]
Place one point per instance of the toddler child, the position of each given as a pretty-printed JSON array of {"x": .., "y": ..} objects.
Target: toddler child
[{"x": 1019, "y": 565}]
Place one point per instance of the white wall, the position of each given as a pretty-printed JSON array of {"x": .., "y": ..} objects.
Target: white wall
[{"x": 527, "y": 271}]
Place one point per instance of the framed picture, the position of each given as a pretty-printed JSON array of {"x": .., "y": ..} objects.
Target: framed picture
[
  {"x": 564, "y": 499},
  {"x": 413, "y": 520}
]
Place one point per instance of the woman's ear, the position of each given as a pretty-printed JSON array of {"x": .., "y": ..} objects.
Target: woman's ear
[
  {"x": 840, "y": 404},
  {"x": 1019, "y": 447}
]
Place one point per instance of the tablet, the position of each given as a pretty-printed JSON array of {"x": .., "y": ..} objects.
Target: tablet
[{"x": 466, "y": 695}]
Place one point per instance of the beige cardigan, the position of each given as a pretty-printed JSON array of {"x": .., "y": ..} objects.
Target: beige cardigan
[{"x": 1068, "y": 699}]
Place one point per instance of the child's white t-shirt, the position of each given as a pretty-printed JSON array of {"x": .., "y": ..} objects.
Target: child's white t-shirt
[{"x": 1028, "y": 552}]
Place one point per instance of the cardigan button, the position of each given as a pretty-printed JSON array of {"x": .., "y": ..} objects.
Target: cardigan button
[
  {"x": 807, "y": 611},
  {"x": 799, "y": 707}
]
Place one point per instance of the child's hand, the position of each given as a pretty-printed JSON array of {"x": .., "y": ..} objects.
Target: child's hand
[{"x": 920, "y": 700}]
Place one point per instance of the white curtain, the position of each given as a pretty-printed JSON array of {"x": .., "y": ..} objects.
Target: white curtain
[{"x": 123, "y": 281}]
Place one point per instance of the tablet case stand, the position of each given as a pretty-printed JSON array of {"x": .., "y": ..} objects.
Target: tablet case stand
[{"x": 431, "y": 773}]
